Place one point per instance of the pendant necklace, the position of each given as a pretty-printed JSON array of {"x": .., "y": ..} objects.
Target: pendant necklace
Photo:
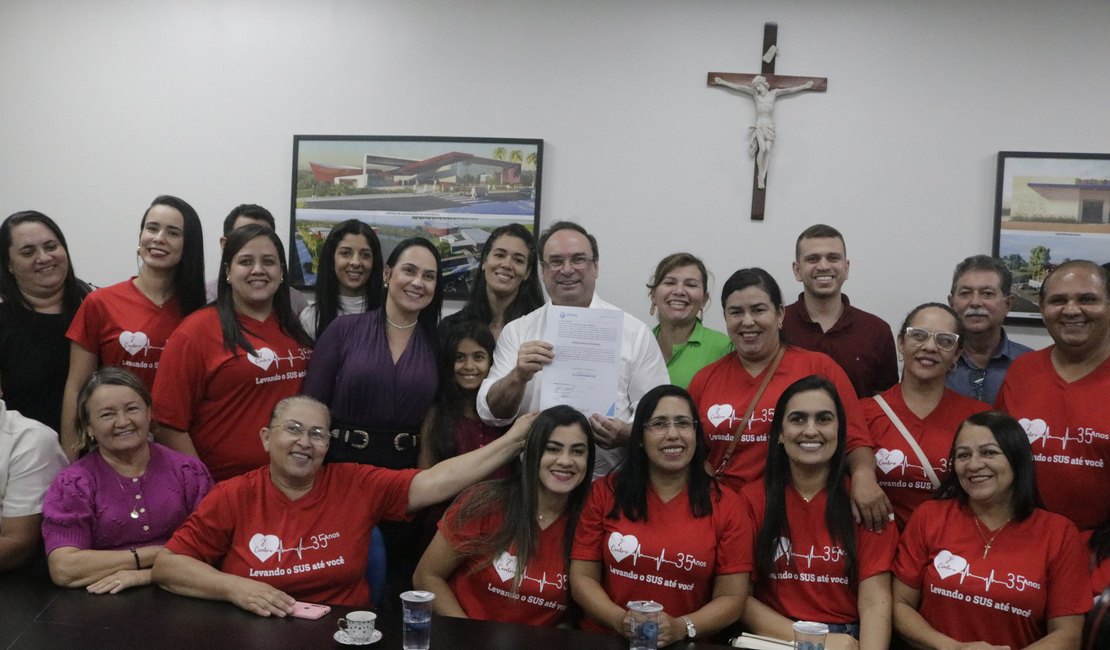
[{"x": 987, "y": 542}]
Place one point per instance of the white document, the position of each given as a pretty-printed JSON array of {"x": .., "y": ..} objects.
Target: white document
[{"x": 587, "y": 359}]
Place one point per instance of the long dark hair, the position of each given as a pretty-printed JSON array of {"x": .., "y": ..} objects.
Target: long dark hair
[
  {"x": 429, "y": 316},
  {"x": 776, "y": 477},
  {"x": 529, "y": 295},
  {"x": 225, "y": 304},
  {"x": 73, "y": 290},
  {"x": 517, "y": 497},
  {"x": 327, "y": 284},
  {"x": 1014, "y": 443},
  {"x": 631, "y": 483},
  {"x": 451, "y": 401},
  {"x": 188, "y": 277}
]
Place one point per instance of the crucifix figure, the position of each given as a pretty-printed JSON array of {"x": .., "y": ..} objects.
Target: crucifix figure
[{"x": 765, "y": 88}]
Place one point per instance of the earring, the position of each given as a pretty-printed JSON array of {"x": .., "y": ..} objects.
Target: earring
[{"x": 651, "y": 312}]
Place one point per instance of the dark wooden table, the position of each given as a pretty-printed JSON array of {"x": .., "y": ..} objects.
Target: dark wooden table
[{"x": 35, "y": 614}]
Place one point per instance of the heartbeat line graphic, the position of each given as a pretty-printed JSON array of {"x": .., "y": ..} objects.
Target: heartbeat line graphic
[
  {"x": 542, "y": 582},
  {"x": 505, "y": 566},
  {"x": 828, "y": 554},
  {"x": 291, "y": 356},
  {"x": 622, "y": 546},
  {"x": 948, "y": 564}
]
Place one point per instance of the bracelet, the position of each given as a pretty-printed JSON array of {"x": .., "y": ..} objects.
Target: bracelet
[{"x": 138, "y": 566}]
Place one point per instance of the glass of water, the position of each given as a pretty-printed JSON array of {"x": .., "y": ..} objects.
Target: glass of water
[{"x": 417, "y": 612}]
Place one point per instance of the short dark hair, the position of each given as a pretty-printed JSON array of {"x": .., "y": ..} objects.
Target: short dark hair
[
  {"x": 566, "y": 225},
  {"x": 818, "y": 231},
  {"x": 1014, "y": 442},
  {"x": 754, "y": 277},
  {"x": 983, "y": 263},
  {"x": 1082, "y": 264},
  {"x": 250, "y": 211}
]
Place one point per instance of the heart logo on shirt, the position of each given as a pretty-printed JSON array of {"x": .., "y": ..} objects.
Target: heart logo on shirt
[
  {"x": 888, "y": 459},
  {"x": 262, "y": 357},
  {"x": 505, "y": 566},
  {"x": 133, "y": 341},
  {"x": 1034, "y": 429},
  {"x": 263, "y": 546},
  {"x": 621, "y": 546},
  {"x": 718, "y": 413},
  {"x": 782, "y": 548},
  {"x": 948, "y": 564}
]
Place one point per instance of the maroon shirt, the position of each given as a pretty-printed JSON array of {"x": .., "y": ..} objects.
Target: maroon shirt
[{"x": 860, "y": 342}]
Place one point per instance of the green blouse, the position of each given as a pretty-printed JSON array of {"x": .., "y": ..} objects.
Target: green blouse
[{"x": 703, "y": 348}]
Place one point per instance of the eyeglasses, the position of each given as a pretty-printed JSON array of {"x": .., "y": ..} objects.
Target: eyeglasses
[
  {"x": 577, "y": 262},
  {"x": 946, "y": 341},
  {"x": 316, "y": 435},
  {"x": 663, "y": 425}
]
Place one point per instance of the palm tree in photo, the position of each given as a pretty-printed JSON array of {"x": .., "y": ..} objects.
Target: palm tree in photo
[{"x": 499, "y": 153}]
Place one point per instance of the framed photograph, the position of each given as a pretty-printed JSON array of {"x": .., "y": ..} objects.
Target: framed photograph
[
  {"x": 451, "y": 191},
  {"x": 1049, "y": 208}
]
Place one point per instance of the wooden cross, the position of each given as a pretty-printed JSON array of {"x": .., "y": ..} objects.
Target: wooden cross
[{"x": 777, "y": 85}]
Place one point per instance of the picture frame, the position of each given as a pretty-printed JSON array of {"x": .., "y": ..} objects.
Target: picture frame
[
  {"x": 1049, "y": 208},
  {"x": 453, "y": 191}
]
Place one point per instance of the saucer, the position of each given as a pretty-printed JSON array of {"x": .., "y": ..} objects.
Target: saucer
[{"x": 344, "y": 638}]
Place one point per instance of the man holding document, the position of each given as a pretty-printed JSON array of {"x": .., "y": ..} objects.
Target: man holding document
[{"x": 607, "y": 359}]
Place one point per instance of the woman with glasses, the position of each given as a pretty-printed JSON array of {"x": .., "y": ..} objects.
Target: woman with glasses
[
  {"x": 984, "y": 566},
  {"x": 506, "y": 283},
  {"x": 225, "y": 363},
  {"x": 107, "y": 516},
  {"x": 912, "y": 423},
  {"x": 679, "y": 292},
  {"x": 661, "y": 528},
  {"x": 814, "y": 563},
  {"x": 127, "y": 324},
  {"x": 515, "y": 534},
  {"x": 297, "y": 529},
  {"x": 736, "y": 395}
]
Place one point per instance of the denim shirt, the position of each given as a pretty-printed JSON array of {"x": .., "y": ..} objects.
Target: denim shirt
[{"x": 984, "y": 383}]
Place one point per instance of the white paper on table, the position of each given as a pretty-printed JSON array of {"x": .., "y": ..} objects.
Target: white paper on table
[{"x": 587, "y": 359}]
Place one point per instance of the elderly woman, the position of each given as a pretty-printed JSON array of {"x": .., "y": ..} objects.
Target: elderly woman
[
  {"x": 506, "y": 284},
  {"x": 515, "y": 533},
  {"x": 920, "y": 413},
  {"x": 128, "y": 323},
  {"x": 39, "y": 295},
  {"x": 985, "y": 566},
  {"x": 736, "y": 396},
  {"x": 297, "y": 529},
  {"x": 679, "y": 292},
  {"x": 226, "y": 363},
  {"x": 106, "y": 516},
  {"x": 660, "y": 528},
  {"x": 813, "y": 563},
  {"x": 348, "y": 276}
]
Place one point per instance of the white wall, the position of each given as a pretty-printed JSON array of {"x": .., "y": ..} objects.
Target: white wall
[{"x": 106, "y": 104}]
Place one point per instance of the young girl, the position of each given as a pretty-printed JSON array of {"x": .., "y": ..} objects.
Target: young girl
[
  {"x": 452, "y": 426},
  {"x": 501, "y": 550}
]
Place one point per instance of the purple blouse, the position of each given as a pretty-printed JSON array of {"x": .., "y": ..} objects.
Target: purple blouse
[
  {"x": 352, "y": 371},
  {"x": 89, "y": 506}
]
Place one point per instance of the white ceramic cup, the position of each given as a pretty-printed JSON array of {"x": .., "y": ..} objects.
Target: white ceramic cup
[{"x": 359, "y": 625}]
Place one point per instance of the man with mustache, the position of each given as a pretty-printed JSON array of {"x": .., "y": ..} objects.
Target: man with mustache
[
  {"x": 981, "y": 296},
  {"x": 824, "y": 321}
]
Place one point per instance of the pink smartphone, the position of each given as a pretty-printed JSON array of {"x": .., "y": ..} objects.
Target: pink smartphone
[{"x": 310, "y": 611}]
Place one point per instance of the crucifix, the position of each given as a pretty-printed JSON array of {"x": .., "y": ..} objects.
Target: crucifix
[{"x": 765, "y": 88}]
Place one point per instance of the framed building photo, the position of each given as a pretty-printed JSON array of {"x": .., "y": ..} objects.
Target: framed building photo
[
  {"x": 452, "y": 191},
  {"x": 1049, "y": 208}
]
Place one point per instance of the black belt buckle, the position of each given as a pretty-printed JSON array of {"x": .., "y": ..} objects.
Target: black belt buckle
[{"x": 399, "y": 440}]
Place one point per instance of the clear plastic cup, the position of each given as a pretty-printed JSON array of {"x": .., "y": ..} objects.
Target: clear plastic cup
[
  {"x": 417, "y": 612},
  {"x": 810, "y": 636},
  {"x": 645, "y": 624}
]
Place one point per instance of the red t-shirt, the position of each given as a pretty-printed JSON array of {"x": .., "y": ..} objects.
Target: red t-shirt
[
  {"x": 1069, "y": 429},
  {"x": 897, "y": 468},
  {"x": 671, "y": 557},
  {"x": 723, "y": 390},
  {"x": 488, "y": 594},
  {"x": 223, "y": 399},
  {"x": 1100, "y": 577},
  {"x": 1036, "y": 570},
  {"x": 810, "y": 582},
  {"x": 124, "y": 328},
  {"x": 315, "y": 548}
]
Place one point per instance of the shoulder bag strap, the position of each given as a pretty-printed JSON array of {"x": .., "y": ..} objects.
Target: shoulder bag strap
[
  {"x": 747, "y": 415},
  {"x": 909, "y": 439}
]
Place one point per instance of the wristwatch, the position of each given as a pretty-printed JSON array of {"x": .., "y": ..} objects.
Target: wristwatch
[{"x": 691, "y": 631}]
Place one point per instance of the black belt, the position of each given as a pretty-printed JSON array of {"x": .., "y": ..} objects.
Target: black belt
[{"x": 392, "y": 447}]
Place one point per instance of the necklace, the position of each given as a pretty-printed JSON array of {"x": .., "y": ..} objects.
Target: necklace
[
  {"x": 987, "y": 542},
  {"x": 134, "y": 508},
  {"x": 402, "y": 327}
]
